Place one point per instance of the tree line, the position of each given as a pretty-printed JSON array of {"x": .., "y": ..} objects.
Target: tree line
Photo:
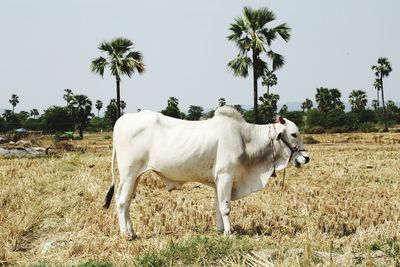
[{"x": 253, "y": 37}]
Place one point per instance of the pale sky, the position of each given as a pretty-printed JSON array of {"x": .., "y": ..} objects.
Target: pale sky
[{"x": 47, "y": 46}]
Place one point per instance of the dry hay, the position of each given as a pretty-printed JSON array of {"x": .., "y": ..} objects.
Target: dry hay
[{"x": 346, "y": 199}]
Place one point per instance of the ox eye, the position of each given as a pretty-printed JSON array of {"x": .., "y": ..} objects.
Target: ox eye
[{"x": 294, "y": 135}]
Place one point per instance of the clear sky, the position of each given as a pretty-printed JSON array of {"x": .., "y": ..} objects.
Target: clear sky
[{"x": 47, "y": 46}]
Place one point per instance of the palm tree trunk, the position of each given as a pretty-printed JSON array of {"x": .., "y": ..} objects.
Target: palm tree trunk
[
  {"x": 98, "y": 113},
  {"x": 118, "y": 100},
  {"x": 384, "y": 109},
  {"x": 255, "y": 89},
  {"x": 81, "y": 132},
  {"x": 267, "y": 89},
  {"x": 377, "y": 96}
]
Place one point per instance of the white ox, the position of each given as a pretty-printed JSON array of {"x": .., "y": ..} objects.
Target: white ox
[{"x": 234, "y": 157}]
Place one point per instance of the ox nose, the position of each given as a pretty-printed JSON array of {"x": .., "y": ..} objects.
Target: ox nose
[{"x": 307, "y": 159}]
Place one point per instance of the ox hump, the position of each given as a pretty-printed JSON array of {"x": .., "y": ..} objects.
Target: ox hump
[{"x": 230, "y": 112}]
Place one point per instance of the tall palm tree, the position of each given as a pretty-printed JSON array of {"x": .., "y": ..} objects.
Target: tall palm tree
[
  {"x": 382, "y": 69},
  {"x": 13, "y": 101},
  {"x": 358, "y": 100},
  {"x": 98, "y": 105},
  {"x": 81, "y": 107},
  {"x": 252, "y": 35},
  {"x": 121, "y": 59}
]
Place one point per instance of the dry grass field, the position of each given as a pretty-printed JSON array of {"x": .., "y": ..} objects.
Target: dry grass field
[{"x": 341, "y": 209}]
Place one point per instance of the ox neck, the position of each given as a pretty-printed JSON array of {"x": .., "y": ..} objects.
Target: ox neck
[{"x": 260, "y": 141}]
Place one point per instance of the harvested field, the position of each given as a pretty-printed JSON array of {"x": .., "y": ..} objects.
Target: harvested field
[{"x": 342, "y": 208}]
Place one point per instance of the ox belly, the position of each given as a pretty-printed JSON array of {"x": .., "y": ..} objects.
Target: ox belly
[{"x": 184, "y": 154}]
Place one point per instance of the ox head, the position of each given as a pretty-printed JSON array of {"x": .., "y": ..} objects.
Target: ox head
[{"x": 288, "y": 134}]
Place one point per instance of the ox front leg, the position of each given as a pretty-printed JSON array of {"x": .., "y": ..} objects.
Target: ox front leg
[
  {"x": 224, "y": 189},
  {"x": 220, "y": 223}
]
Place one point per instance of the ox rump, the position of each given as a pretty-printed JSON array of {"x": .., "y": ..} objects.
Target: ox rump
[{"x": 234, "y": 157}]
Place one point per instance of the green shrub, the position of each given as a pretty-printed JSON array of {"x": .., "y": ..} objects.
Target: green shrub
[{"x": 368, "y": 127}]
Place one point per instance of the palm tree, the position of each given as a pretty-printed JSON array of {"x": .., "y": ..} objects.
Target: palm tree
[
  {"x": 307, "y": 104},
  {"x": 81, "y": 107},
  {"x": 251, "y": 35},
  {"x": 121, "y": 59},
  {"x": 221, "y": 102},
  {"x": 98, "y": 106},
  {"x": 269, "y": 79},
  {"x": 358, "y": 100},
  {"x": 377, "y": 86},
  {"x": 14, "y": 101},
  {"x": 382, "y": 69},
  {"x": 34, "y": 112},
  {"x": 68, "y": 96},
  {"x": 123, "y": 106}
]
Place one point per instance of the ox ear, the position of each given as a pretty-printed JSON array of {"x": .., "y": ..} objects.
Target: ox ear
[{"x": 280, "y": 119}]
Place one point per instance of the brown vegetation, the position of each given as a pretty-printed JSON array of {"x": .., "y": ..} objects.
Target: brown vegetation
[{"x": 345, "y": 201}]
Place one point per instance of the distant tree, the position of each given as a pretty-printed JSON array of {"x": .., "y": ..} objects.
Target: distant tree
[
  {"x": 68, "y": 96},
  {"x": 123, "y": 106},
  {"x": 238, "y": 108},
  {"x": 11, "y": 120},
  {"x": 268, "y": 107},
  {"x": 7, "y": 114},
  {"x": 377, "y": 86},
  {"x": 375, "y": 104},
  {"x": 122, "y": 60},
  {"x": 284, "y": 109},
  {"x": 22, "y": 115},
  {"x": 81, "y": 107},
  {"x": 111, "y": 114},
  {"x": 251, "y": 35},
  {"x": 98, "y": 106},
  {"x": 194, "y": 113},
  {"x": 307, "y": 104},
  {"x": 172, "y": 109},
  {"x": 329, "y": 100},
  {"x": 57, "y": 119},
  {"x": 358, "y": 100},
  {"x": 269, "y": 79},
  {"x": 393, "y": 111},
  {"x": 14, "y": 101},
  {"x": 33, "y": 113},
  {"x": 221, "y": 102},
  {"x": 382, "y": 70}
]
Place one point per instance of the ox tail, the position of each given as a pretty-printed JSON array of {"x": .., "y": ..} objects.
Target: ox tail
[{"x": 110, "y": 192}]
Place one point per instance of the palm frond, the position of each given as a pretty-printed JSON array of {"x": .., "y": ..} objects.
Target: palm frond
[
  {"x": 284, "y": 31},
  {"x": 263, "y": 16},
  {"x": 240, "y": 66},
  {"x": 98, "y": 65},
  {"x": 106, "y": 47},
  {"x": 277, "y": 59},
  {"x": 238, "y": 28},
  {"x": 268, "y": 34},
  {"x": 121, "y": 45}
]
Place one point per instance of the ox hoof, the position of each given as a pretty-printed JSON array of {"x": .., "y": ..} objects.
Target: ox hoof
[
  {"x": 228, "y": 233},
  {"x": 129, "y": 237}
]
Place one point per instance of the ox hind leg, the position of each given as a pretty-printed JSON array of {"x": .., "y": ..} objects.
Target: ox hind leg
[{"x": 129, "y": 178}]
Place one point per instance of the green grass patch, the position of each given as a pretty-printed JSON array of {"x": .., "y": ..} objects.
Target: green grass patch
[{"x": 203, "y": 251}]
